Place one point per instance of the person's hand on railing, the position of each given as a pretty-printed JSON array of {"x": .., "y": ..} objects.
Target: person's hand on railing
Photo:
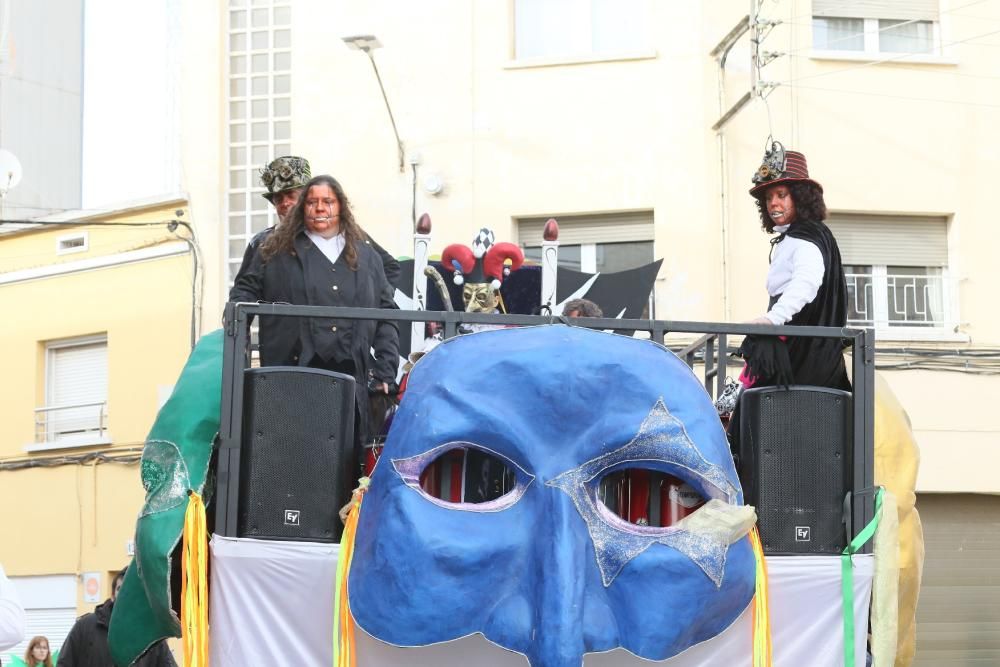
[{"x": 760, "y": 320}]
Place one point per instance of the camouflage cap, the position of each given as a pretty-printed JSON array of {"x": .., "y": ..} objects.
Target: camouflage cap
[{"x": 284, "y": 173}]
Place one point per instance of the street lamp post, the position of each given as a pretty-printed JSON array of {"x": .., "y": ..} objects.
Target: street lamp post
[{"x": 369, "y": 43}]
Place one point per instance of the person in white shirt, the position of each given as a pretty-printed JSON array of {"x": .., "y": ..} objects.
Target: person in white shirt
[
  {"x": 805, "y": 281},
  {"x": 13, "y": 624}
]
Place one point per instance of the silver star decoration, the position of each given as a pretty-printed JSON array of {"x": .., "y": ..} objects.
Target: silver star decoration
[{"x": 662, "y": 439}]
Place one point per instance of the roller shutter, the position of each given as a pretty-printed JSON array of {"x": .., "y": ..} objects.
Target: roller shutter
[
  {"x": 958, "y": 615},
  {"x": 883, "y": 240},
  {"x": 579, "y": 229},
  {"x": 920, "y": 10}
]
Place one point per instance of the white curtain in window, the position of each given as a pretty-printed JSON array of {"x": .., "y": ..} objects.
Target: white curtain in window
[
  {"x": 551, "y": 28},
  {"x": 575, "y": 28},
  {"x": 619, "y": 26},
  {"x": 905, "y": 36},
  {"x": 838, "y": 34}
]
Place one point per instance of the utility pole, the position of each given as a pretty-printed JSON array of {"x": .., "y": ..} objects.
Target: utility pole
[{"x": 758, "y": 29}]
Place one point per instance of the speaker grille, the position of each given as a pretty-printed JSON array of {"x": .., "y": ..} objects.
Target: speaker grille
[
  {"x": 297, "y": 444},
  {"x": 795, "y": 447}
]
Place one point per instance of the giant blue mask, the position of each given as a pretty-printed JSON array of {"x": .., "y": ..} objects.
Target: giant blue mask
[{"x": 546, "y": 569}]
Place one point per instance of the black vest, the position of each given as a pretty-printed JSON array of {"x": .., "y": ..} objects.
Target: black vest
[
  {"x": 809, "y": 361},
  {"x": 327, "y": 285}
]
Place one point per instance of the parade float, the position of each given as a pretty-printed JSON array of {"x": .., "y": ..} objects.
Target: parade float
[{"x": 551, "y": 493}]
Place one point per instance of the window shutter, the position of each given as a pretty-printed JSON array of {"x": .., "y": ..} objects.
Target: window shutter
[
  {"x": 921, "y": 10},
  {"x": 890, "y": 240},
  {"x": 53, "y": 624},
  {"x": 49, "y": 607},
  {"x": 578, "y": 229},
  {"x": 77, "y": 374}
]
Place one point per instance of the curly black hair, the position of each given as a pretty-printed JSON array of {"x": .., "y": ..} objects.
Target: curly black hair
[{"x": 809, "y": 204}]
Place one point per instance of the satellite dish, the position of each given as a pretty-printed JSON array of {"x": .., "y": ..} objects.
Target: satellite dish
[{"x": 10, "y": 171}]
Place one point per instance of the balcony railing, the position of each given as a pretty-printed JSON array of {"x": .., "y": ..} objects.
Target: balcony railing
[
  {"x": 78, "y": 423},
  {"x": 896, "y": 299},
  {"x": 710, "y": 351}
]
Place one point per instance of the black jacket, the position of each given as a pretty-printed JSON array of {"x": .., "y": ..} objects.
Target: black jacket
[
  {"x": 307, "y": 278},
  {"x": 807, "y": 361},
  {"x": 87, "y": 644},
  {"x": 389, "y": 263}
]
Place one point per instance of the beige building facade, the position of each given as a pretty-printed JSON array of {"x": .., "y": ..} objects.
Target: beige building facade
[
  {"x": 602, "y": 115},
  {"x": 99, "y": 323}
]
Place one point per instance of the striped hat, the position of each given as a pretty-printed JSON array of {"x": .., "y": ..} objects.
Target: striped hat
[{"x": 781, "y": 166}]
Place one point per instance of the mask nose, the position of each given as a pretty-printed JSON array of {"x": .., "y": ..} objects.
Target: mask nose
[{"x": 561, "y": 610}]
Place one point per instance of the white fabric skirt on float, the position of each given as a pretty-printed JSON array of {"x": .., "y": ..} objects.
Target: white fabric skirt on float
[{"x": 271, "y": 603}]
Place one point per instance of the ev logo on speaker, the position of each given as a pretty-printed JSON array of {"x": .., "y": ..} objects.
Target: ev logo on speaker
[
  {"x": 291, "y": 517},
  {"x": 802, "y": 534}
]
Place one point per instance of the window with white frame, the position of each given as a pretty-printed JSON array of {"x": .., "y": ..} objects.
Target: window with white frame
[
  {"x": 259, "y": 112},
  {"x": 594, "y": 243},
  {"x": 76, "y": 393},
  {"x": 580, "y": 28},
  {"x": 897, "y": 274},
  {"x": 876, "y": 27}
]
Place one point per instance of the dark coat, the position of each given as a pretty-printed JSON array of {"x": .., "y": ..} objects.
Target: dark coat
[
  {"x": 87, "y": 644},
  {"x": 807, "y": 361},
  {"x": 389, "y": 263},
  {"x": 307, "y": 278}
]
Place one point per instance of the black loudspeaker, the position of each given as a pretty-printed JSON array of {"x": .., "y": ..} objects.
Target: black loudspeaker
[
  {"x": 794, "y": 462},
  {"x": 296, "y": 453}
]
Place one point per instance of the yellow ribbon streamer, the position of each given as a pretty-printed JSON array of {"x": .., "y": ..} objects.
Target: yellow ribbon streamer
[
  {"x": 762, "y": 656},
  {"x": 343, "y": 626},
  {"x": 194, "y": 584}
]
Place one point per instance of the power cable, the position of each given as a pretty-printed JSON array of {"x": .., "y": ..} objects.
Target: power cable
[
  {"x": 871, "y": 63},
  {"x": 127, "y": 457},
  {"x": 95, "y": 223},
  {"x": 927, "y": 68},
  {"x": 171, "y": 226},
  {"x": 107, "y": 247},
  {"x": 902, "y": 97}
]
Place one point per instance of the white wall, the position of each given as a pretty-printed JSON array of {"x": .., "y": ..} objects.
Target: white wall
[{"x": 131, "y": 100}]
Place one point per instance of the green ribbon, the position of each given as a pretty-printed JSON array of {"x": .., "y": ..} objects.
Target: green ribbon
[{"x": 847, "y": 579}]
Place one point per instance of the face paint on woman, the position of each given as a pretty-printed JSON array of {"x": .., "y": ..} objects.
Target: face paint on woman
[{"x": 780, "y": 205}]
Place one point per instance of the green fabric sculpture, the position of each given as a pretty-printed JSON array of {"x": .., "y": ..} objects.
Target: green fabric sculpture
[{"x": 175, "y": 460}]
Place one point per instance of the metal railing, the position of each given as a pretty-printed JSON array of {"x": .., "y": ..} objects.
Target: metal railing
[
  {"x": 59, "y": 423},
  {"x": 710, "y": 349},
  {"x": 884, "y": 298}
]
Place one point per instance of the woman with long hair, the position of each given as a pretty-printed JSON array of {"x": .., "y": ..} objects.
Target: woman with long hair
[
  {"x": 320, "y": 256},
  {"x": 38, "y": 654}
]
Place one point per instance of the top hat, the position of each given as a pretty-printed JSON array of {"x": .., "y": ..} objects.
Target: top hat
[
  {"x": 781, "y": 166},
  {"x": 287, "y": 172}
]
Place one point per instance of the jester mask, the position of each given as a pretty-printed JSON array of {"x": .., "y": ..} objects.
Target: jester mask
[
  {"x": 534, "y": 558},
  {"x": 481, "y": 267}
]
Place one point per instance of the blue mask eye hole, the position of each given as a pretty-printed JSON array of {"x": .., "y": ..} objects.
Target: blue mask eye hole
[
  {"x": 465, "y": 476},
  {"x": 468, "y": 475},
  {"x": 646, "y": 497}
]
